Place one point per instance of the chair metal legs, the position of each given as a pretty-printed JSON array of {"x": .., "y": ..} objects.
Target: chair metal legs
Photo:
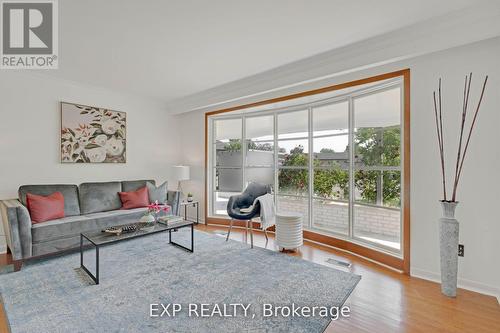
[
  {"x": 248, "y": 224},
  {"x": 230, "y": 227},
  {"x": 265, "y": 234},
  {"x": 251, "y": 234}
]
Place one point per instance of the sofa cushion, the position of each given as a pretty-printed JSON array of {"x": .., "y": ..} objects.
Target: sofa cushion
[
  {"x": 45, "y": 208},
  {"x": 157, "y": 193},
  {"x": 74, "y": 225},
  {"x": 99, "y": 197},
  {"x": 134, "y": 185},
  {"x": 69, "y": 192},
  {"x": 173, "y": 200},
  {"x": 134, "y": 199}
]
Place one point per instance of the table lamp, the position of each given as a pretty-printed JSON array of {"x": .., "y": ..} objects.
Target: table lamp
[{"x": 180, "y": 173}]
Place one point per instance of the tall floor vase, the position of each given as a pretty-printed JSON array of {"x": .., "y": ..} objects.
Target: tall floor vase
[{"x": 448, "y": 241}]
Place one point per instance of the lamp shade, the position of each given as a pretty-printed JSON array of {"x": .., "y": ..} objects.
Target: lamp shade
[{"x": 181, "y": 172}]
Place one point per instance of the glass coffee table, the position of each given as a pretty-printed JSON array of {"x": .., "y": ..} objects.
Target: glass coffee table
[{"x": 99, "y": 238}]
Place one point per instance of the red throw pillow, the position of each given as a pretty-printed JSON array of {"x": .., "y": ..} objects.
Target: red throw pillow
[
  {"x": 135, "y": 199},
  {"x": 46, "y": 208}
]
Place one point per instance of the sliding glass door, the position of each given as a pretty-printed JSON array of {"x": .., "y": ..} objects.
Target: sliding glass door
[{"x": 337, "y": 162}]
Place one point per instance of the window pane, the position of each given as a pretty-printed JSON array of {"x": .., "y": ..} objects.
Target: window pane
[
  {"x": 391, "y": 188},
  {"x": 379, "y": 225},
  {"x": 368, "y": 187},
  {"x": 331, "y": 183},
  {"x": 293, "y": 124},
  {"x": 331, "y": 215},
  {"x": 377, "y": 207},
  {"x": 377, "y": 146},
  {"x": 228, "y": 154},
  {"x": 296, "y": 205},
  {"x": 378, "y": 188},
  {"x": 260, "y": 128},
  {"x": 377, "y": 136},
  {"x": 227, "y": 129},
  {"x": 332, "y": 151},
  {"x": 293, "y": 181},
  {"x": 228, "y": 142},
  {"x": 260, "y": 175},
  {"x": 260, "y": 141},
  {"x": 228, "y": 180},
  {"x": 260, "y": 153},
  {"x": 220, "y": 204},
  {"x": 331, "y": 119},
  {"x": 293, "y": 153}
]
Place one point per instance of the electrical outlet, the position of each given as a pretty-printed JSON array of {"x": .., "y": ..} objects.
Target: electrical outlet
[{"x": 461, "y": 250}]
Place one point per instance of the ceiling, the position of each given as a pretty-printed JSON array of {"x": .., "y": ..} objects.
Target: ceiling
[{"x": 172, "y": 49}]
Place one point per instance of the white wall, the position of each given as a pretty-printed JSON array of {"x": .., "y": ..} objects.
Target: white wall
[
  {"x": 192, "y": 128},
  {"x": 30, "y": 140},
  {"x": 478, "y": 192}
]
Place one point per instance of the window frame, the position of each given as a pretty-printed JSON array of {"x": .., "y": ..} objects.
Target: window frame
[{"x": 402, "y": 77}]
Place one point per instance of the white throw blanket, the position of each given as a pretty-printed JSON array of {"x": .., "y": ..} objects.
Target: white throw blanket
[{"x": 267, "y": 210}]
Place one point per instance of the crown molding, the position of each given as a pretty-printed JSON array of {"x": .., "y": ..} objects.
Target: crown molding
[{"x": 455, "y": 29}]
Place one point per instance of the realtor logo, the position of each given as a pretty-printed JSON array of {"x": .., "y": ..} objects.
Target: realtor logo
[{"x": 29, "y": 34}]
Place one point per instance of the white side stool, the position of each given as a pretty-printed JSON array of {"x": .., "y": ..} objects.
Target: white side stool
[{"x": 289, "y": 231}]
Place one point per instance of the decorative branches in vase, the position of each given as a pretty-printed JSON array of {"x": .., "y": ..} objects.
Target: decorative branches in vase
[{"x": 448, "y": 225}]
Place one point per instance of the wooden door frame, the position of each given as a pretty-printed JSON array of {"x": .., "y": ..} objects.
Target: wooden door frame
[{"x": 402, "y": 264}]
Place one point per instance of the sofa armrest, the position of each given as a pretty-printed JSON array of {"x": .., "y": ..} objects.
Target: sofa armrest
[
  {"x": 174, "y": 200},
  {"x": 17, "y": 225}
]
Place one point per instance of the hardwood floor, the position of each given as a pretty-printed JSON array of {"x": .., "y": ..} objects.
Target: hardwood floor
[{"x": 384, "y": 301}]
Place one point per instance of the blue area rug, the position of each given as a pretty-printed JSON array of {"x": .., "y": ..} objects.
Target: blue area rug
[{"x": 54, "y": 295}]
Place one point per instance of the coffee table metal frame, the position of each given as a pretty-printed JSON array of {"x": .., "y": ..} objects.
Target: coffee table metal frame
[{"x": 115, "y": 239}]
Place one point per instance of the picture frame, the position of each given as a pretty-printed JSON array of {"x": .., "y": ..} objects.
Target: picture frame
[{"x": 91, "y": 134}]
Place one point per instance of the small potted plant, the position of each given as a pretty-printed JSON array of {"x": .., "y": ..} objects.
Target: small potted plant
[{"x": 190, "y": 197}]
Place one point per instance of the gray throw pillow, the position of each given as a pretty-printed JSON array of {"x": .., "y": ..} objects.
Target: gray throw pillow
[{"x": 157, "y": 193}]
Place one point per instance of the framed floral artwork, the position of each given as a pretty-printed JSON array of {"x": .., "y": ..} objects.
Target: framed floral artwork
[{"x": 92, "y": 135}]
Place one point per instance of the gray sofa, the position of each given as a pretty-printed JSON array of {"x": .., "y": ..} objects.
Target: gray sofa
[{"x": 90, "y": 206}]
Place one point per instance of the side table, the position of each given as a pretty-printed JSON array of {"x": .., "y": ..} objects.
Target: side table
[{"x": 187, "y": 204}]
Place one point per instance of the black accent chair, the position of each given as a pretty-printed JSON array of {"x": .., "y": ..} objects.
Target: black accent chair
[{"x": 245, "y": 200}]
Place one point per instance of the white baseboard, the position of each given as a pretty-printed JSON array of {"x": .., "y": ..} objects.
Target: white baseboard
[{"x": 462, "y": 283}]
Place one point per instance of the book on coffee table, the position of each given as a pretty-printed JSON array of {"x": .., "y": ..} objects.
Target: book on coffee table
[{"x": 170, "y": 219}]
